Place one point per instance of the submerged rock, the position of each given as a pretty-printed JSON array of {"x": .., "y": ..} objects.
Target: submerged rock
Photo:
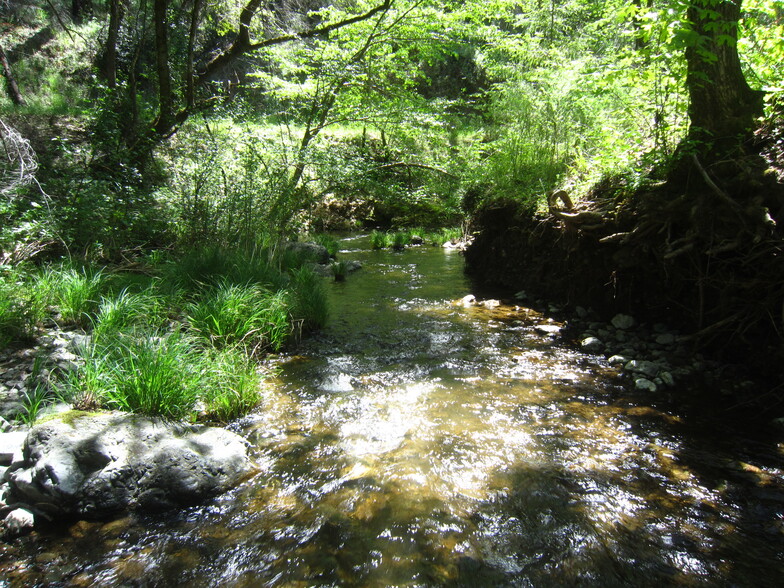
[{"x": 96, "y": 464}]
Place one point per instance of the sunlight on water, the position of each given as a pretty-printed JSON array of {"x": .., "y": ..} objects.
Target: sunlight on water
[{"x": 423, "y": 441}]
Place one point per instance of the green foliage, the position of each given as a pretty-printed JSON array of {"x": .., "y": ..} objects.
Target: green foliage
[
  {"x": 380, "y": 240},
  {"x": 229, "y": 314},
  {"x": 38, "y": 394},
  {"x": 308, "y": 299},
  {"x": 126, "y": 310},
  {"x": 233, "y": 385},
  {"x": 153, "y": 375},
  {"x": 329, "y": 242},
  {"x": 76, "y": 293},
  {"x": 18, "y": 311},
  {"x": 339, "y": 270},
  {"x": 212, "y": 265}
]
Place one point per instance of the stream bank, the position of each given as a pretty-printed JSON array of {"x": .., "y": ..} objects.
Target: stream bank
[{"x": 608, "y": 268}]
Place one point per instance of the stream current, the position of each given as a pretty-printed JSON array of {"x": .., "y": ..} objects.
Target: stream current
[{"x": 417, "y": 442}]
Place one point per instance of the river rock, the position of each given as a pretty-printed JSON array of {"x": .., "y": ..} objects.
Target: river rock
[
  {"x": 353, "y": 265},
  {"x": 618, "y": 359},
  {"x": 592, "y": 344},
  {"x": 665, "y": 339},
  {"x": 308, "y": 251},
  {"x": 547, "y": 329},
  {"x": 644, "y": 384},
  {"x": 17, "y": 522},
  {"x": 622, "y": 321},
  {"x": 97, "y": 464},
  {"x": 647, "y": 368}
]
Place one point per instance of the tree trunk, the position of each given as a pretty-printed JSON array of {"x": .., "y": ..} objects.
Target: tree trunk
[
  {"x": 13, "y": 89},
  {"x": 189, "y": 74},
  {"x": 109, "y": 65},
  {"x": 723, "y": 107},
  {"x": 165, "y": 98}
]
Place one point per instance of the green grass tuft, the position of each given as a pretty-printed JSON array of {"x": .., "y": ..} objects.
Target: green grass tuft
[{"x": 230, "y": 314}]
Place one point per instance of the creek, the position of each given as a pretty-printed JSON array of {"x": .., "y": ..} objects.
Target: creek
[{"x": 418, "y": 442}]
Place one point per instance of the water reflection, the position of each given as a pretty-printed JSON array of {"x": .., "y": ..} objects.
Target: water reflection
[{"x": 419, "y": 442}]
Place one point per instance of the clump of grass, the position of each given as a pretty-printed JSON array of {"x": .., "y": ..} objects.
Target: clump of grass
[
  {"x": 153, "y": 375},
  {"x": 380, "y": 240},
  {"x": 230, "y": 314},
  {"x": 38, "y": 396},
  {"x": 339, "y": 270},
  {"x": 76, "y": 293},
  {"x": 125, "y": 310},
  {"x": 212, "y": 265},
  {"x": 233, "y": 385},
  {"x": 16, "y": 321},
  {"x": 309, "y": 303},
  {"x": 400, "y": 239}
]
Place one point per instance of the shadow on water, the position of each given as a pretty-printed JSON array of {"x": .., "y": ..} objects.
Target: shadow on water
[{"x": 419, "y": 442}]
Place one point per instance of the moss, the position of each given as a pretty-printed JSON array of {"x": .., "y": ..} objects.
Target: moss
[{"x": 69, "y": 417}]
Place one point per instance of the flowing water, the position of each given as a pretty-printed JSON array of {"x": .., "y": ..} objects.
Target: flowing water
[{"x": 417, "y": 442}]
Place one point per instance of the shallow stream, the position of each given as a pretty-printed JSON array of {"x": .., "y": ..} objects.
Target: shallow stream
[{"x": 417, "y": 442}]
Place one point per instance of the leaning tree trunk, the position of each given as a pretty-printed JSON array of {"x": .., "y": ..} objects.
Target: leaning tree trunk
[
  {"x": 723, "y": 107},
  {"x": 13, "y": 89}
]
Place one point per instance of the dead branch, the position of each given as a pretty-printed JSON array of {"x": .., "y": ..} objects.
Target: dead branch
[{"x": 18, "y": 162}]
